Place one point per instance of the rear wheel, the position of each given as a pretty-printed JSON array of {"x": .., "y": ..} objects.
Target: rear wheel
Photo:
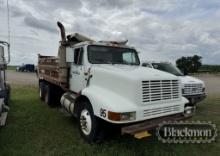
[
  {"x": 48, "y": 95},
  {"x": 42, "y": 90}
]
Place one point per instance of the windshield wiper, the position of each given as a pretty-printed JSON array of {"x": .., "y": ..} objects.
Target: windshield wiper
[{"x": 124, "y": 63}]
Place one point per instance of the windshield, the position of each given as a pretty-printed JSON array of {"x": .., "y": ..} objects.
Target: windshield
[
  {"x": 167, "y": 67},
  {"x": 112, "y": 55}
]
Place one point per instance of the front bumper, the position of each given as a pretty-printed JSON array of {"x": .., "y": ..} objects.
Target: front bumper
[
  {"x": 151, "y": 124},
  {"x": 193, "y": 99}
]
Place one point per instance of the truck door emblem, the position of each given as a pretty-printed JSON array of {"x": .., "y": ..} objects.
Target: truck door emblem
[{"x": 76, "y": 72}]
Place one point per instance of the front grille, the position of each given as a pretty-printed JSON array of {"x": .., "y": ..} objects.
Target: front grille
[
  {"x": 190, "y": 89},
  {"x": 160, "y": 90},
  {"x": 162, "y": 110}
]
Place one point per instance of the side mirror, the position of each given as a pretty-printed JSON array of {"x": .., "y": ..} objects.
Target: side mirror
[
  {"x": 2, "y": 51},
  {"x": 2, "y": 54},
  {"x": 184, "y": 72},
  {"x": 69, "y": 55}
]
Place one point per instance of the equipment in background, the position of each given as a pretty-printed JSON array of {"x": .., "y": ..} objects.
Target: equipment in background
[
  {"x": 26, "y": 68},
  {"x": 4, "y": 87}
]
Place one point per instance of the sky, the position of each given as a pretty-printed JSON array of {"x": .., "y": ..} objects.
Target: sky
[{"x": 161, "y": 30}]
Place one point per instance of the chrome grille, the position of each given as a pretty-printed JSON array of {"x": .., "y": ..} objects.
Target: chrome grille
[
  {"x": 161, "y": 110},
  {"x": 190, "y": 89},
  {"x": 160, "y": 90}
]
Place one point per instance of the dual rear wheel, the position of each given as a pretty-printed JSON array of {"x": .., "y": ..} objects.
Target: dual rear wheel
[{"x": 49, "y": 93}]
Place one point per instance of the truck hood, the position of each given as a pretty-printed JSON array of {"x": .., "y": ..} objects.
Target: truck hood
[
  {"x": 125, "y": 81},
  {"x": 190, "y": 80}
]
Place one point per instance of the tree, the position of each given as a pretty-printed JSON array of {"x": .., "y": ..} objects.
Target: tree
[{"x": 189, "y": 64}]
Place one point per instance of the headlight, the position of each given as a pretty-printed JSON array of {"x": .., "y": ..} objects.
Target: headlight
[
  {"x": 127, "y": 116},
  {"x": 188, "y": 111}
]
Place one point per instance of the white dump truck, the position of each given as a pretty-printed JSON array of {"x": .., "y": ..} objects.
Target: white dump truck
[
  {"x": 103, "y": 81},
  {"x": 192, "y": 88}
]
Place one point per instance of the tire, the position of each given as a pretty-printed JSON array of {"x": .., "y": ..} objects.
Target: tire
[
  {"x": 42, "y": 90},
  {"x": 87, "y": 122},
  {"x": 48, "y": 96}
]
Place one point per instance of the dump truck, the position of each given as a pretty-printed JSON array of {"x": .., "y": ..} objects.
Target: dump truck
[
  {"x": 4, "y": 87},
  {"x": 102, "y": 82},
  {"x": 192, "y": 88}
]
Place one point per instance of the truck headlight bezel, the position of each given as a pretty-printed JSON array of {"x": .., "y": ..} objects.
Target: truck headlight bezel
[{"x": 124, "y": 116}]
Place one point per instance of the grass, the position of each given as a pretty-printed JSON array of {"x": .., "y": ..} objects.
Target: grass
[
  {"x": 11, "y": 67},
  {"x": 35, "y": 129}
]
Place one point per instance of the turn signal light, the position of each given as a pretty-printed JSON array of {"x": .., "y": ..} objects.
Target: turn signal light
[{"x": 114, "y": 116}]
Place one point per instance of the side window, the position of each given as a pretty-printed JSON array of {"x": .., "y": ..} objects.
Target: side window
[
  {"x": 128, "y": 57},
  {"x": 78, "y": 56}
]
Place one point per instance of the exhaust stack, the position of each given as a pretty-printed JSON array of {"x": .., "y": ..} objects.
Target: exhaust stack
[{"x": 62, "y": 32}]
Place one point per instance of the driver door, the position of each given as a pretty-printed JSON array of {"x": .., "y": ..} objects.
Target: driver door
[{"x": 77, "y": 77}]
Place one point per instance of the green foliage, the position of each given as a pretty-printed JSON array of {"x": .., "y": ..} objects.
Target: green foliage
[
  {"x": 35, "y": 129},
  {"x": 189, "y": 64},
  {"x": 209, "y": 68}
]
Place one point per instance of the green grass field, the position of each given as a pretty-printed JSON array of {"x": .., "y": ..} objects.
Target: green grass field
[
  {"x": 35, "y": 129},
  {"x": 11, "y": 67}
]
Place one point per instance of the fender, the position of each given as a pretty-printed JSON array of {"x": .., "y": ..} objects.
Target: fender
[{"x": 103, "y": 100}]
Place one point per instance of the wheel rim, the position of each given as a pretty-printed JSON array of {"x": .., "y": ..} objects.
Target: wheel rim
[{"x": 85, "y": 122}]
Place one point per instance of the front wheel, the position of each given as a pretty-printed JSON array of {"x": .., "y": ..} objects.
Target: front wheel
[{"x": 87, "y": 122}]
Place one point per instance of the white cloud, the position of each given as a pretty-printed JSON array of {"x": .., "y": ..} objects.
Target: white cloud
[{"x": 161, "y": 30}]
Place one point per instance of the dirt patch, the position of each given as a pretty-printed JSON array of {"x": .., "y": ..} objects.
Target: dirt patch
[
  {"x": 21, "y": 78},
  {"x": 212, "y": 83}
]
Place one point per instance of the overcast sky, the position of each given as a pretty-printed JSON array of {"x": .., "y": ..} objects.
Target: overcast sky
[{"x": 159, "y": 29}]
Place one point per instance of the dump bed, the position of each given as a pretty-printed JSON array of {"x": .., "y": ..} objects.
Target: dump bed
[{"x": 51, "y": 69}]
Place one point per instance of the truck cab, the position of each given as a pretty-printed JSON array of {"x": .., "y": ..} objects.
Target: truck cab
[
  {"x": 102, "y": 81},
  {"x": 192, "y": 88}
]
